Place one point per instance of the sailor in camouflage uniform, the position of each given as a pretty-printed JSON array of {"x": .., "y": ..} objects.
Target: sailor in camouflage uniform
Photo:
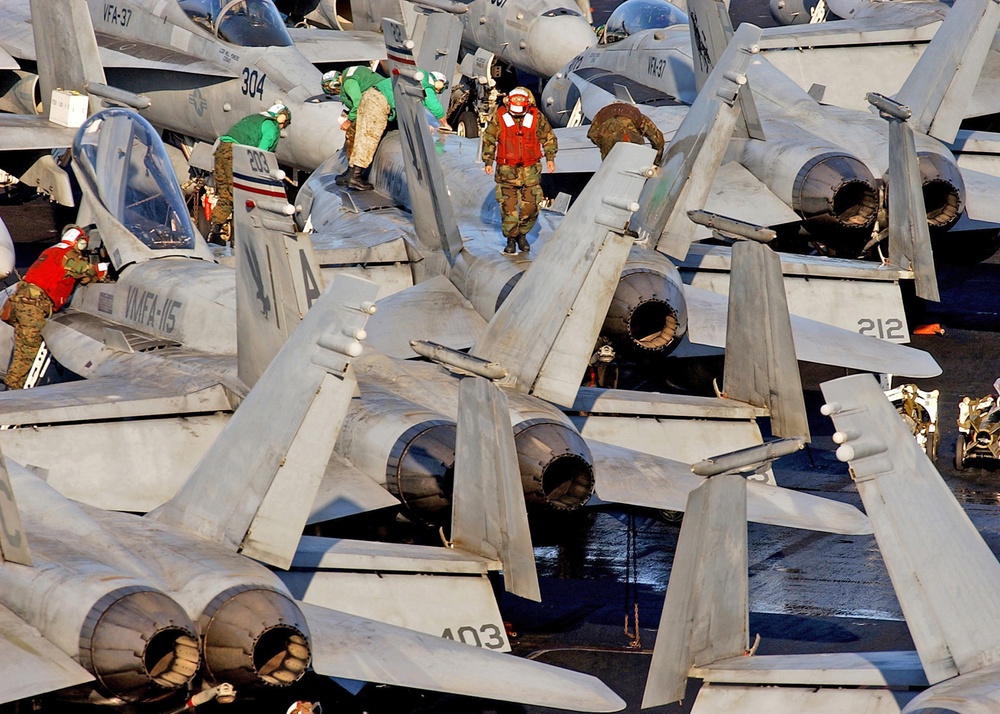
[
  {"x": 517, "y": 137},
  {"x": 624, "y": 122},
  {"x": 45, "y": 289}
]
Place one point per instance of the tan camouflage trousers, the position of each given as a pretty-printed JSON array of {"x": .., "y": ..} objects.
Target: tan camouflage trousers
[
  {"x": 518, "y": 208},
  {"x": 349, "y": 139},
  {"x": 373, "y": 115},
  {"x": 223, "y": 173},
  {"x": 30, "y": 309}
]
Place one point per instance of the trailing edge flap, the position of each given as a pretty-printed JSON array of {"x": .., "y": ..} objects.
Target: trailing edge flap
[
  {"x": 113, "y": 397},
  {"x": 433, "y": 310},
  {"x": 347, "y": 491},
  {"x": 355, "y": 647},
  {"x": 695, "y": 153},
  {"x": 277, "y": 274},
  {"x": 944, "y": 574},
  {"x": 65, "y": 47},
  {"x": 274, "y": 451},
  {"x": 544, "y": 332},
  {"x": 711, "y": 33},
  {"x": 640, "y": 479},
  {"x": 488, "y": 514},
  {"x": 761, "y": 368},
  {"x": 942, "y": 82},
  {"x": 814, "y": 341},
  {"x": 13, "y": 539},
  {"x": 18, "y": 131},
  {"x": 33, "y": 665},
  {"x": 706, "y": 611},
  {"x": 324, "y": 47},
  {"x": 433, "y": 213},
  {"x": 981, "y": 191},
  {"x": 909, "y": 234}
]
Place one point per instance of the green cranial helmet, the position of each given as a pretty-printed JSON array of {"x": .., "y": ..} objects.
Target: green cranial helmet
[{"x": 331, "y": 82}]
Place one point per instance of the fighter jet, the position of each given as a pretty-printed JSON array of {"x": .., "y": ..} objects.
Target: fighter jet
[
  {"x": 194, "y": 68},
  {"x": 928, "y": 544},
  {"x": 536, "y": 37},
  {"x": 820, "y": 161},
  {"x": 134, "y": 586}
]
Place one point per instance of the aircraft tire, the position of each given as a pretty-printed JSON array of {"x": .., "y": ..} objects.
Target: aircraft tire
[
  {"x": 467, "y": 125},
  {"x": 960, "y": 452}
]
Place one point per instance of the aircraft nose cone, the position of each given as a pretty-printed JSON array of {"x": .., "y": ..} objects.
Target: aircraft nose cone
[{"x": 553, "y": 41}]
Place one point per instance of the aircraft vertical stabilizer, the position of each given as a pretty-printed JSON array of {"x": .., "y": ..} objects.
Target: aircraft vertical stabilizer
[
  {"x": 909, "y": 234},
  {"x": 544, "y": 332},
  {"x": 489, "y": 516},
  {"x": 433, "y": 214},
  {"x": 262, "y": 473},
  {"x": 13, "y": 540},
  {"x": 761, "y": 366},
  {"x": 940, "y": 86},
  {"x": 277, "y": 274},
  {"x": 945, "y": 576},
  {"x": 705, "y": 614},
  {"x": 695, "y": 153},
  {"x": 65, "y": 46},
  {"x": 431, "y": 44}
]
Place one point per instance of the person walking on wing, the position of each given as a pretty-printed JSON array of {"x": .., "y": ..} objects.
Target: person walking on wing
[
  {"x": 376, "y": 109},
  {"x": 262, "y": 131},
  {"x": 517, "y": 137},
  {"x": 45, "y": 289},
  {"x": 624, "y": 122},
  {"x": 350, "y": 85}
]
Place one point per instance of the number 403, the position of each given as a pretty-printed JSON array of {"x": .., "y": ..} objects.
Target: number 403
[{"x": 491, "y": 640}]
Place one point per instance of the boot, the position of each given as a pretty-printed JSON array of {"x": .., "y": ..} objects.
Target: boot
[
  {"x": 510, "y": 249},
  {"x": 342, "y": 179},
  {"x": 356, "y": 180},
  {"x": 522, "y": 244}
]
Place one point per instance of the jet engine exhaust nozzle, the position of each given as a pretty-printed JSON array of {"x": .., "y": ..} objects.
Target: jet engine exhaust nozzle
[
  {"x": 943, "y": 189},
  {"x": 140, "y": 644},
  {"x": 647, "y": 313},
  {"x": 255, "y": 636},
  {"x": 421, "y": 470},
  {"x": 556, "y": 465},
  {"x": 835, "y": 192}
]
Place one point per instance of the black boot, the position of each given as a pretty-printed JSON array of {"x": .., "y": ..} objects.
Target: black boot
[
  {"x": 341, "y": 179},
  {"x": 510, "y": 249},
  {"x": 357, "y": 181},
  {"x": 522, "y": 244}
]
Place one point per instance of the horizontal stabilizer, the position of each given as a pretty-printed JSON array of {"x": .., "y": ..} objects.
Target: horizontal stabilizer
[
  {"x": 814, "y": 341},
  {"x": 322, "y": 47},
  {"x": 639, "y": 479},
  {"x": 356, "y": 648},
  {"x": 944, "y": 574},
  {"x": 13, "y": 538},
  {"x": 65, "y": 48},
  {"x": 31, "y": 664},
  {"x": 544, "y": 332},
  {"x": 275, "y": 449},
  {"x": 705, "y": 614},
  {"x": 347, "y": 491}
]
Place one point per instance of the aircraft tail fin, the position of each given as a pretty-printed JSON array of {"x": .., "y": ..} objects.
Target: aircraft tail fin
[
  {"x": 277, "y": 274},
  {"x": 909, "y": 234},
  {"x": 65, "y": 47},
  {"x": 433, "y": 213},
  {"x": 944, "y": 574},
  {"x": 544, "y": 332},
  {"x": 705, "y": 614},
  {"x": 254, "y": 487},
  {"x": 695, "y": 153},
  {"x": 761, "y": 366},
  {"x": 13, "y": 540},
  {"x": 439, "y": 34},
  {"x": 489, "y": 516},
  {"x": 941, "y": 83}
]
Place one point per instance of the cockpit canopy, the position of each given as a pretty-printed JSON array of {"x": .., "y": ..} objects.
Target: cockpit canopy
[
  {"x": 248, "y": 23},
  {"x": 123, "y": 160},
  {"x": 635, "y": 15}
]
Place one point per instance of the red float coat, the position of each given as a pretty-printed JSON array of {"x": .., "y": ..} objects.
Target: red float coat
[
  {"x": 518, "y": 143},
  {"x": 52, "y": 275}
]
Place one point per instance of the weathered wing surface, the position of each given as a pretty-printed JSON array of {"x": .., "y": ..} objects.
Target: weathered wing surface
[
  {"x": 814, "y": 341},
  {"x": 981, "y": 191},
  {"x": 31, "y": 664},
  {"x": 627, "y": 476},
  {"x": 322, "y": 46},
  {"x": 943, "y": 572},
  {"x": 357, "y": 648},
  {"x": 19, "y": 132},
  {"x": 346, "y": 491}
]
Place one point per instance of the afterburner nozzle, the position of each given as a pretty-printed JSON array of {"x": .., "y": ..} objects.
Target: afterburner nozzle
[
  {"x": 835, "y": 192},
  {"x": 647, "y": 313},
  {"x": 556, "y": 465}
]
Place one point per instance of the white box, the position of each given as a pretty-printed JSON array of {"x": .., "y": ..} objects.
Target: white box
[{"x": 68, "y": 108}]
